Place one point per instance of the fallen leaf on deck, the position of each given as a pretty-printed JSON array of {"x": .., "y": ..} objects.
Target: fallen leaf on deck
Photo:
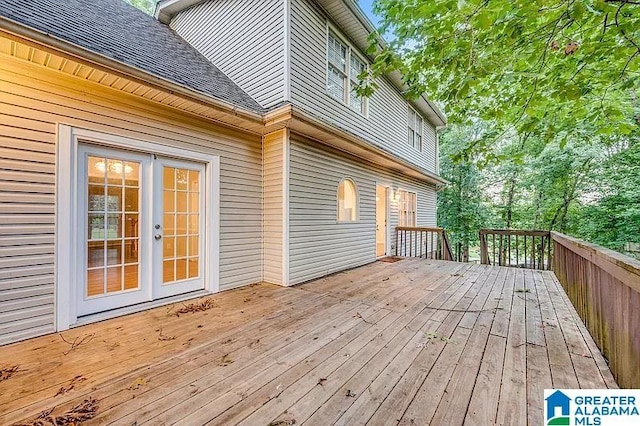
[
  {"x": 282, "y": 422},
  {"x": 70, "y": 386},
  {"x": 226, "y": 360},
  {"x": 163, "y": 337},
  {"x": 205, "y": 305},
  {"x": 80, "y": 413},
  {"x": 138, "y": 383},
  {"x": 321, "y": 381},
  {"x": 6, "y": 373}
]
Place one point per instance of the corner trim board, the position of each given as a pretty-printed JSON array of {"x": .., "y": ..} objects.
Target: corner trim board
[{"x": 285, "y": 206}]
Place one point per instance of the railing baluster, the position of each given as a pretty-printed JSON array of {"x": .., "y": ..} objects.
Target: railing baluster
[
  {"x": 549, "y": 255},
  {"x": 396, "y": 250},
  {"x": 431, "y": 246},
  {"x": 505, "y": 248},
  {"x": 493, "y": 249},
  {"x": 422, "y": 242},
  {"x": 405, "y": 242},
  {"x": 533, "y": 252}
]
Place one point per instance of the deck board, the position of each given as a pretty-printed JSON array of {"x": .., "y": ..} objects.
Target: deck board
[{"x": 410, "y": 342}]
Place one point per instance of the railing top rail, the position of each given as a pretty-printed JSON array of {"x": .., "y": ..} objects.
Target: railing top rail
[
  {"x": 515, "y": 232},
  {"x": 419, "y": 228},
  {"x": 623, "y": 267}
]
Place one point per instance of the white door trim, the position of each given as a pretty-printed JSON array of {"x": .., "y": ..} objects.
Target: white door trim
[{"x": 66, "y": 210}]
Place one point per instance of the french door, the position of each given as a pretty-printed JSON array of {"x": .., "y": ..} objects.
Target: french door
[
  {"x": 143, "y": 228},
  {"x": 178, "y": 237}
]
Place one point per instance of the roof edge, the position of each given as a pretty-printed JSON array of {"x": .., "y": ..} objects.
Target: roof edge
[
  {"x": 167, "y": 9},
  {"x": 114, "y": 65}
]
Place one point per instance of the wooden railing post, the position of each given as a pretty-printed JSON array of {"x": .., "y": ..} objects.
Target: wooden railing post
[{"x": 446, "y": 248}]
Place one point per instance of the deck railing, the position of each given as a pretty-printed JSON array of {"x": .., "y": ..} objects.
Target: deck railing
[
  {"x": 517, "y": 248},
  {"x": 423, "y": 242},
  {"x": 604, "y": 287}
]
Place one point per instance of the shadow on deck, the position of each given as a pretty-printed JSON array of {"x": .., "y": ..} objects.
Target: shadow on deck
[{"x": 411, "y": 342}]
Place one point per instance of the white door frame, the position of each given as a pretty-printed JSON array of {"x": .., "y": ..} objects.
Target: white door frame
[
  {"x": 387, "y": 236},
  {"x": 67, "y": 250}
]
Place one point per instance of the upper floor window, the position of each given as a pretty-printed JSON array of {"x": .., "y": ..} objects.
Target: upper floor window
[
  {"x": 347, "y": 201},
  {"x": 407, "y": 208},
  {"x": 414, "y": 135},
  {"x": 343, "y": 69}
]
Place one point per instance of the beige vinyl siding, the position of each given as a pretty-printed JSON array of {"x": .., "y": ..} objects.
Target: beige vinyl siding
[
  {"x": 273, "y": 163},
  {"x": 387, "y": 122},
  {"x": 33, "y": 101},
  {"x": 245, "y": 39},
  {"x": 318, "y": 244}
]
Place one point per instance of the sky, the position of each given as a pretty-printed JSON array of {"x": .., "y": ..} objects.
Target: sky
[{"x": 367, "y": 5}]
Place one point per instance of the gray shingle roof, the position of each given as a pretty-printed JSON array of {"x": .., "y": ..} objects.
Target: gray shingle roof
[{"x": 119, "y": 31}]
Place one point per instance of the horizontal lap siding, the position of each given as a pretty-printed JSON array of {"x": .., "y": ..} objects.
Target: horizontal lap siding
[
  {"x": 30, "y": 108},
  {"x": 244, "y": 39},
  {"x": 387, "y": 123},
  {"x": 318, "y": 245}
]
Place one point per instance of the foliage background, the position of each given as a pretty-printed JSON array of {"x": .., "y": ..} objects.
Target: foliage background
[{"x": 544, "y": 113}]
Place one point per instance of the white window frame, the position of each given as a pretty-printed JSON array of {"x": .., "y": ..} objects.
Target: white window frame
[
  {"x": 404, "y": 209},
  {"x": 67, "y": 187},
  {"x": 415, "y": 132},
  {"x": 357, "y": 201},
  {"x": 346, "y": 75}
]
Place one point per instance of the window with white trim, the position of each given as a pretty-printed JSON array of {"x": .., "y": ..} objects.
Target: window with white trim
[
  {"x": 414, "y": 134},
  {"x": 347, "y": 201},
  {"x": 407, "y": 208},
  {"x": 343, "y": 69}
]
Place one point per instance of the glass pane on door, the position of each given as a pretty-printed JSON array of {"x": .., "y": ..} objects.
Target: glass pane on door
[
  {"x": 113, "y": 216},
  {"x": 181, "y": 220}
]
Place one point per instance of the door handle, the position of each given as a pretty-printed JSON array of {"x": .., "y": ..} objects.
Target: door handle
[{"x": 157, "y": 236}]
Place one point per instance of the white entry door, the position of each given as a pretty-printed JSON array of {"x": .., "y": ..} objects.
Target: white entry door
[{"x": 142, "y": 230}]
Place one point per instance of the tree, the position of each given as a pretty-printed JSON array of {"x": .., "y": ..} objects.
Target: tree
[
  {"x": 613, "y": 217},
  {"x": 147, "y": 6},
  {"x": 539, "y": 66},
  {"x": 461, "y": 210}
]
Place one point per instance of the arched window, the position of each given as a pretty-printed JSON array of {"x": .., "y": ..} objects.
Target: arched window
[{"x": 347, "y": 201}]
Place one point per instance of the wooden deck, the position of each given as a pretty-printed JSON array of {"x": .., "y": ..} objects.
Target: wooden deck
[{"x": 412, "y": 342}]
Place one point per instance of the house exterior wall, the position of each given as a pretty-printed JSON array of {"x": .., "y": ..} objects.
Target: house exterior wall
[
  {"x": 245, "y": 39},
  {"x": 34, "y": 100},
  {"x": 387, "y": 121},
  {"x": 318, "y": 244}
]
